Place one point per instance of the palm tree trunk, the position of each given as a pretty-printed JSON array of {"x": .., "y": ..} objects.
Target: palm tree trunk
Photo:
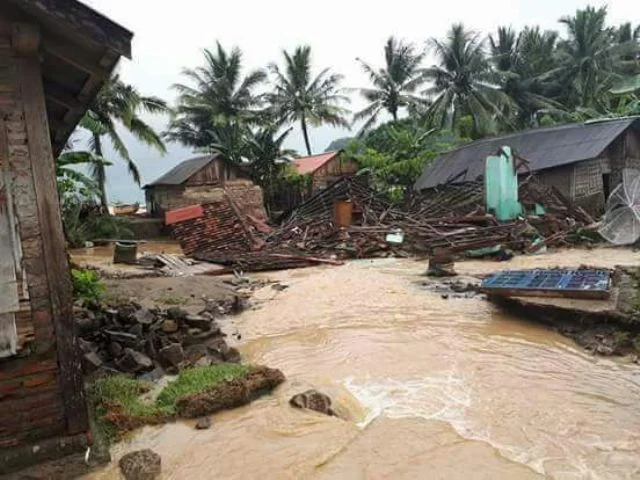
[
  {"x": 100, "y": 175},
  {"x": 394, "y": 114},
  {"x": 305, "y": 134}
]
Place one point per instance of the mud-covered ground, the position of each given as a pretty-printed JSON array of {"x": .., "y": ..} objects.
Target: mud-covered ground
[{"x": 189, "y": 293}]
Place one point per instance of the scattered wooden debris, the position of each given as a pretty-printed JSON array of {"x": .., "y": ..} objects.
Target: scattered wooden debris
[{"x": 450, "y": 220}]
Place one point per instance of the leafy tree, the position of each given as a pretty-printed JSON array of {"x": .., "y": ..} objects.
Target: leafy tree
[
  {"x": 298, "y": 96},
  {"x": 521, "y": 61},
  {"x": 218, "y": 95},
  {"x": 463, "y": 84},
  {"x": 119, "y": 105},
  {"x": 70, "y": 179},
  {"x": 394, "y": 85},
  {"x": 628, "y": 40},
  {"x": 396, "y": 153},
  {"x": 268, "y": 156},
  {"x": 230, "y": 141},
  {"x": 82, "y": 219},
  {"x": 588, "y": 56}
]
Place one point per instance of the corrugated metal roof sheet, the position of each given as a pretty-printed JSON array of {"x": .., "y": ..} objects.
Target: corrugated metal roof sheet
[
  {"x": 542, "y": 147},
  {"x": 183, "y": 171},
  {"x": 305, "y": 165}
]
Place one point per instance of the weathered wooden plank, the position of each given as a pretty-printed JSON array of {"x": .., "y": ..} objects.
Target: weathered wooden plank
[
  {"x": 9, "y": 300},
  {"x": 55, "y": 260}
]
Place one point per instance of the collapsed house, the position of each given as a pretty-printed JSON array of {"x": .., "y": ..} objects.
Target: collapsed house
[
  {"x": 54, "y": 57},
  {"x": 583, "y": 161},
  {"x": 350, "y": 220},
  {"x": 202, "y": 180}
]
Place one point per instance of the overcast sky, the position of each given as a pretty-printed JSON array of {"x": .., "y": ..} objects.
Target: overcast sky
[{"x": 170, "y": 35}]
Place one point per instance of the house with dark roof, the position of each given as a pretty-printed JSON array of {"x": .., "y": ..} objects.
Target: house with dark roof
[
  {"x": 325, "y": 168},
  {"x": 584, "y": 161},
  {"x": 54, "y": 57},
  {"x": 204, "y": 179}
]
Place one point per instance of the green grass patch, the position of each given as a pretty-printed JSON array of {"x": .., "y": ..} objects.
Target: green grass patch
[
  {"x": 197, "y": 380},
  {"x": 117, "y": 405}
]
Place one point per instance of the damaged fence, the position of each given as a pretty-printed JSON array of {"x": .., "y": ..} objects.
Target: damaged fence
[{"x": 449, "y": 220}]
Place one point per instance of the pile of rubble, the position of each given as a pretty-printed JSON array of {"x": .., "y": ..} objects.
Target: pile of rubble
[
  {"x": 451, "y": 218},
  {"x": 133, "y": 339}
]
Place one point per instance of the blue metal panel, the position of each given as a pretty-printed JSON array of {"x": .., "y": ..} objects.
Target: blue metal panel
[{"x": 556, "y": 279}]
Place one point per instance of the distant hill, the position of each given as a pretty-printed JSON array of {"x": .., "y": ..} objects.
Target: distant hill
[{"x": 338, "y": 144}]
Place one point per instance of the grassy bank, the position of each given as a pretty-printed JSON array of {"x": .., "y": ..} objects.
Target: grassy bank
[{"x": 118, "y": 402}]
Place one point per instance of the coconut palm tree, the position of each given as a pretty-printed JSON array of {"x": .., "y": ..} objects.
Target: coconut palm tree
[
  {"x": 299, "y": 96},
  {"x": 119, "y": 105},
  {"x": 464, "y": 84},
  {"x": 394, "y": 85},
  {"x": 217, "y": 95},
  {"x": 522, "y": 62},
  {"x": 588, "y": 56},
  {"x": 267, "y": 153}
]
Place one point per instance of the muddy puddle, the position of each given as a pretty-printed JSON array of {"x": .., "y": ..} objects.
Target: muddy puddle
[
  {"x": 101, "y": 257},
  {"x": 433, "y": 388}
]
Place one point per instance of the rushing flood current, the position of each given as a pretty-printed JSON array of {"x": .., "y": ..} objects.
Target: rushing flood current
[{"x": 433, "y": 388}]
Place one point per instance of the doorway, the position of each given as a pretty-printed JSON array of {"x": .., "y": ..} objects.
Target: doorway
[{"x": 606, "y": 185}]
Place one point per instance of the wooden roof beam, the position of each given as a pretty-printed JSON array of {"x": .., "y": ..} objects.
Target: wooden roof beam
[
  {"x": 69, "y": 54},
  {"x": 25, "y": 38},
  {"x": 59, "y": 96}
]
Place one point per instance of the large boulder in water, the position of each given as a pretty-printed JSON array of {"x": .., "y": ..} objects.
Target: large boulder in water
[
  {"x": 313, "y": 400},
  {"x": 141, "y": 465}
]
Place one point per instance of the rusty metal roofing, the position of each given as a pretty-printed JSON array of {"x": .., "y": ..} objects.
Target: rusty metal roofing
[
  {"x": 183, "y": 171},
  {"x": 307, "y": 165},
  {"x": 542, "y": 147}
]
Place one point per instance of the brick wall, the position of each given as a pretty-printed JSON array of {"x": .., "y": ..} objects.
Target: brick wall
[
  {"x": 30, "y": 396},
  {"x": 247, "y": 196}
]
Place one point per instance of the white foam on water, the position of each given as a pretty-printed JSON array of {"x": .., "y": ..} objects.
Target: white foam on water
[
  {"x": 443, "y": 397},
  {"x": 433, "y": 398}
]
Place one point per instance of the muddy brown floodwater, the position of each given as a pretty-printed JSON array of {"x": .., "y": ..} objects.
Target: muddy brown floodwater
[{"x": 433, "y": 388}]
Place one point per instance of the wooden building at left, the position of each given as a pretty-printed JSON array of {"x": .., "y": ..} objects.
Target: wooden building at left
[{"x": 54, "y": 57}]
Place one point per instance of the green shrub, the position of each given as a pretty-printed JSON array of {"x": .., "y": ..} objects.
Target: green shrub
[
  {"x": 87, "y": 285},
  {"x": 84, "y": 221}
]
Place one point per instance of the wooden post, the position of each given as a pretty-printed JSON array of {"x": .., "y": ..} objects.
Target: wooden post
[{"x": 54, "y": 259}]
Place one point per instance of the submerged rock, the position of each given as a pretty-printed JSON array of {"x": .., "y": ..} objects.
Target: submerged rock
[
  {"x": 313, "y": 400},
  {"x": 203, "y": 423},
  {"x": 230, "y": 393},
  {"x": 141, "y": 465}
]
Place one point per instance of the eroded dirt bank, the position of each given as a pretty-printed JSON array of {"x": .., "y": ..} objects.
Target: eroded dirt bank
[{"x": 433, "y": 387}]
